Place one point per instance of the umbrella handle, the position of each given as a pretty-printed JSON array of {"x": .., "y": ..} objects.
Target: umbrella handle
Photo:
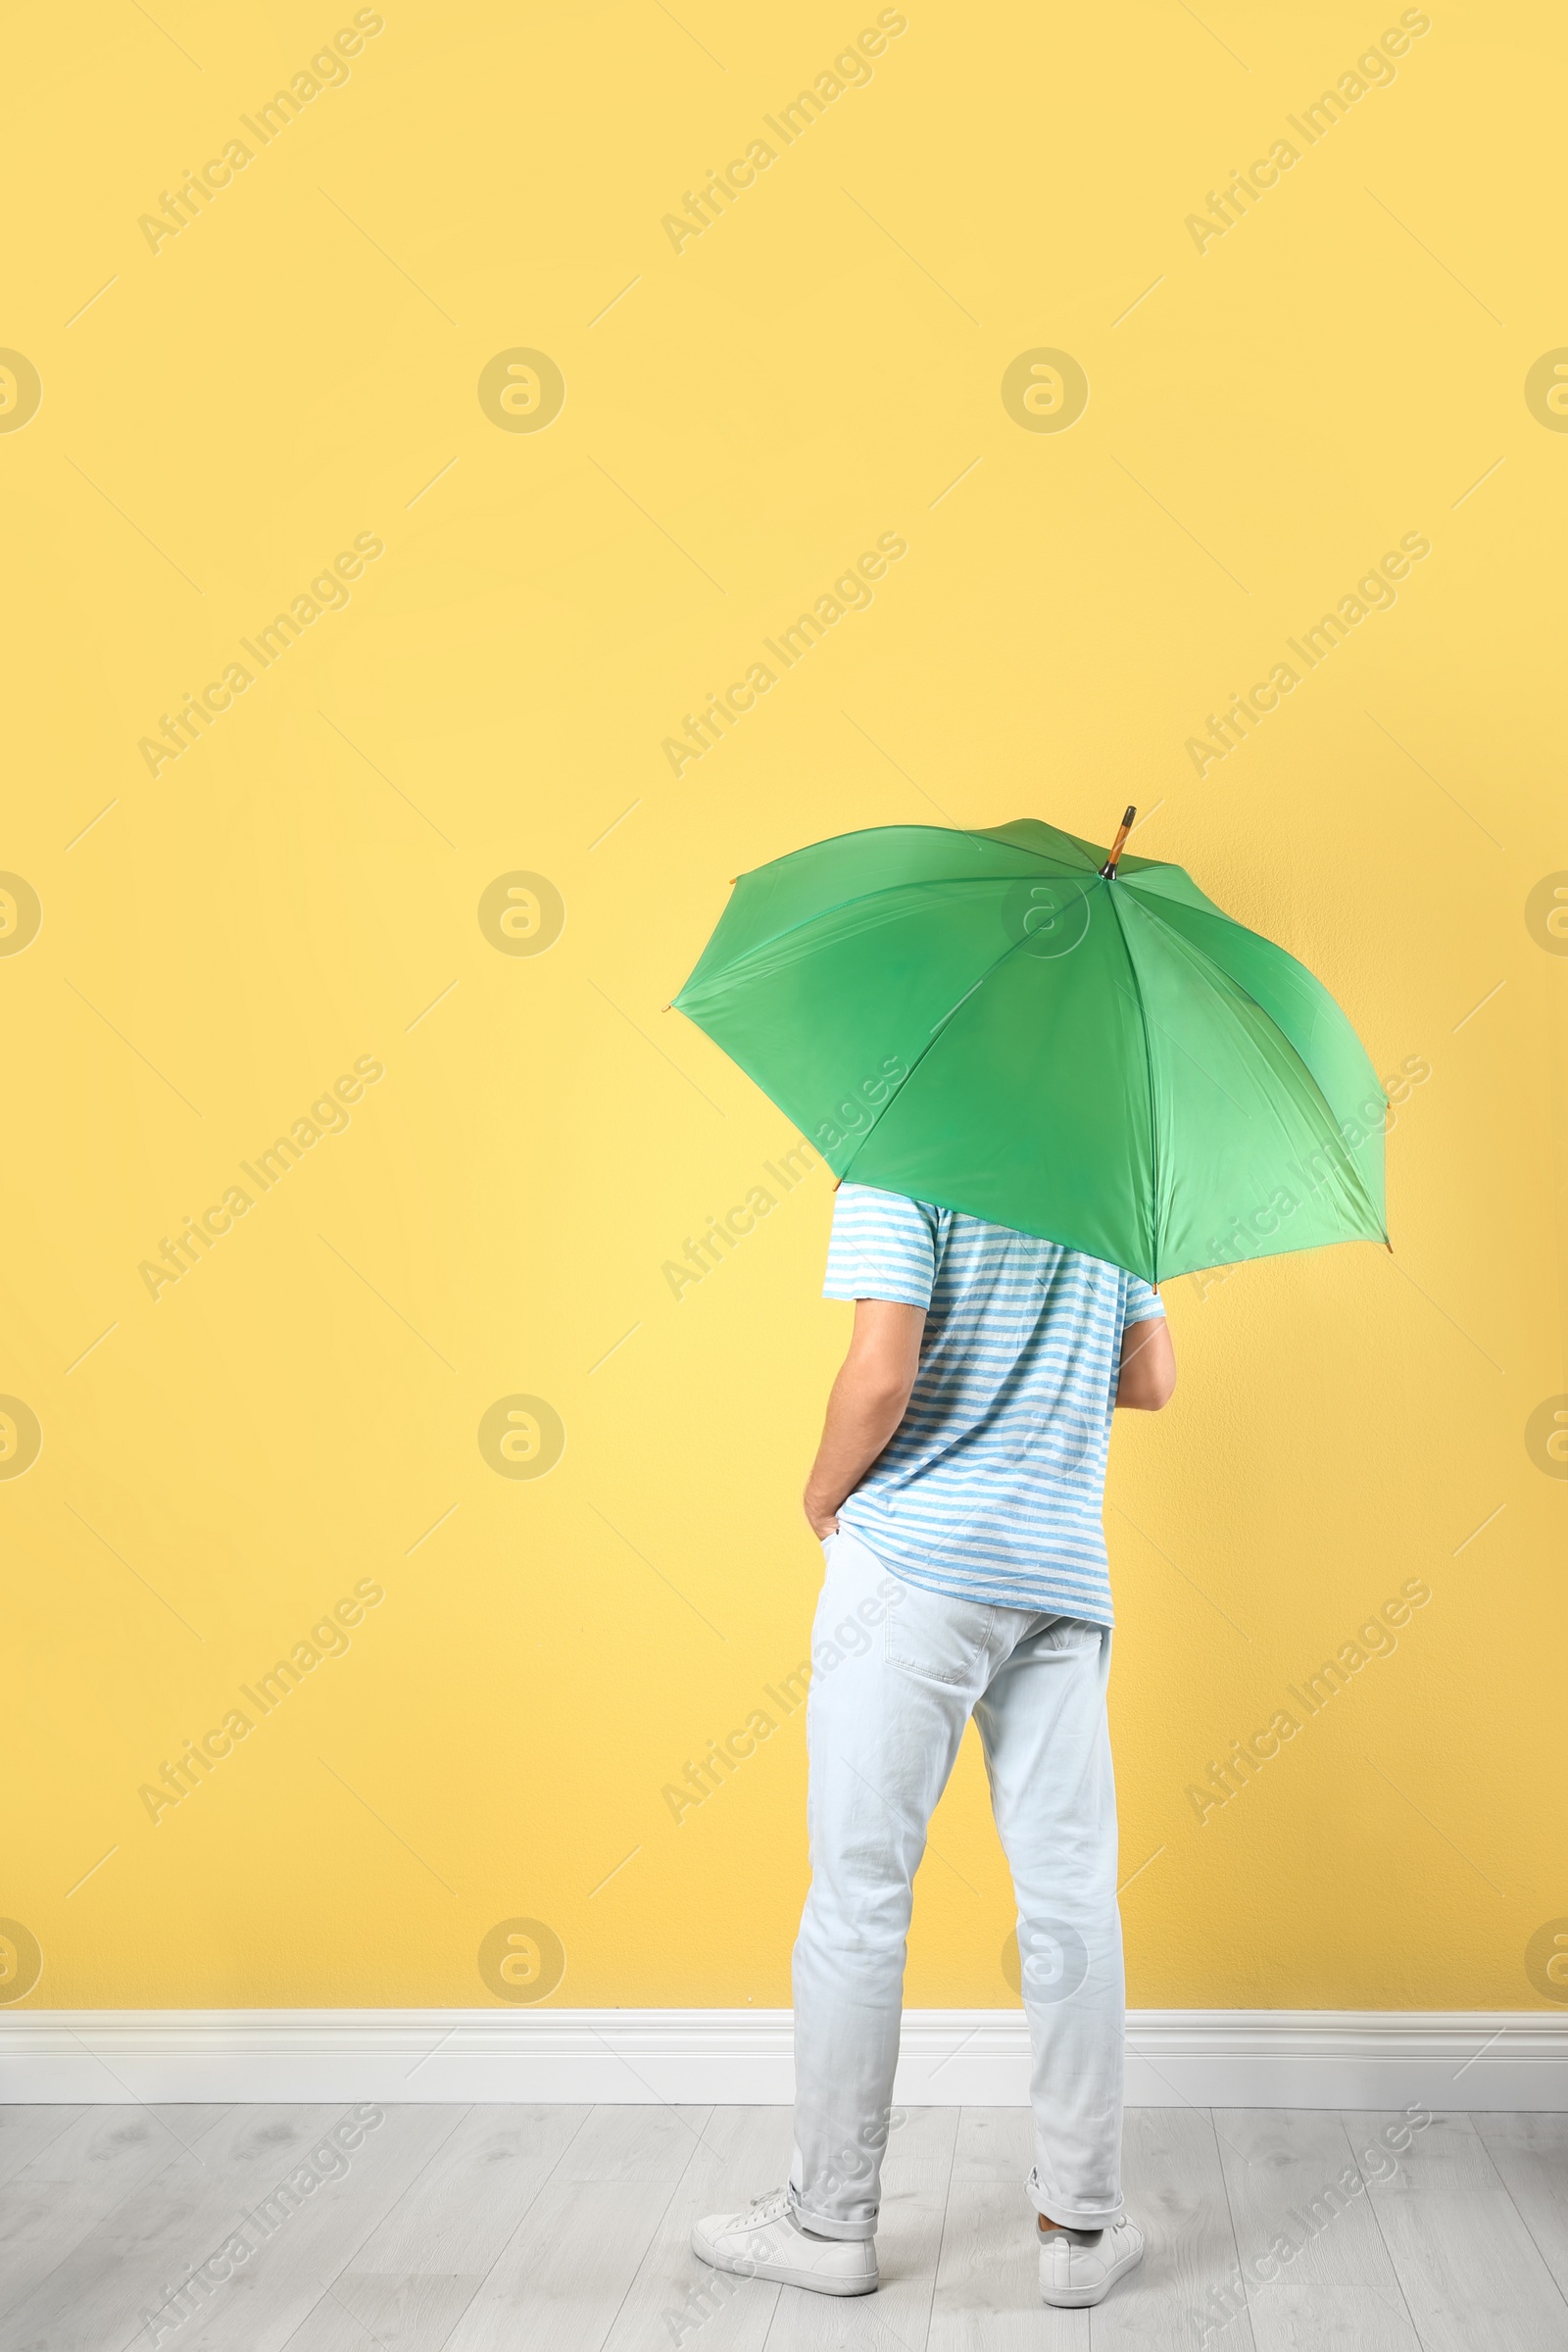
[{"x": 1109, "y": 869}]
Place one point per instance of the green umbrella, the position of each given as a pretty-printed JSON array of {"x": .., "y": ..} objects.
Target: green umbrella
[{"x": 1015, "y": 1024}]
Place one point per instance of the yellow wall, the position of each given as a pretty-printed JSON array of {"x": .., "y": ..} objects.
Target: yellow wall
[{"x": 299, "y": 893}]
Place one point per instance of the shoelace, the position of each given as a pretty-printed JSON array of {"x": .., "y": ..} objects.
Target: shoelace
[{"x": 769, "y": 2207}]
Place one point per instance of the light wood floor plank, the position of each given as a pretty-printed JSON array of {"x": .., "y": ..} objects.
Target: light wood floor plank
[
  {"x": 1530, "y": 2154},
  {"x": 988, "y": 2281},
  {"x": 172, "y": 2219},
  {"x": 416, "y": 2275},
  {"x": 1471, "y": 2273},
  {"x": 636, "y": 2143},
  {"x": 915, "y": 2175},
  {"x": 281, "y": 2283},
  {"x": 551, "y": 2229},
  {"x": 1175, "y": 2190},
  {"x": 147, "y": 2249},
  {"x": 745, "y": 2152},
  {"x": 80, "y": 2174},
  {"x": 562, "y": 2279},
  {"x": 1314, "y": 2267},
  {"x": 25, "y": 2131}
]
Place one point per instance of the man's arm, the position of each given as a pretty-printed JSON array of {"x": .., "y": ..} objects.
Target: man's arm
[
  {"x": 1148, "y": 1376},
  {"x": 866, "y": 1405}
]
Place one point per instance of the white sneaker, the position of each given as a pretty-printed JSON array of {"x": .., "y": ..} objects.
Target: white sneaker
[
  {"x": 767, "y": 2242},
  {"x": 1072, "y": 2275}
]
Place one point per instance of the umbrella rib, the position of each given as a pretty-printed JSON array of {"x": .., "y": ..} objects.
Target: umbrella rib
[
  {"x": 935, "y": 1038},
  {"x": 954, "y": 832},
  {"x": 1149, "y": 1071},
  {"x": 1289, "y": 1043},
  {"x": 1187, "y": 1049},
  {"x": 883, "y": 890},
  {"x": 960, "y": 832}
]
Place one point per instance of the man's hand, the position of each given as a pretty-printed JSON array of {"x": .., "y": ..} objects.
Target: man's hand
[
  {"x": 867, "y": 1404},
  {"x": 1148, "y": 1376}
]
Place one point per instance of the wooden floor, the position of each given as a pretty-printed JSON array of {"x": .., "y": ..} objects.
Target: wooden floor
[{"x": 565, "y": 2229}]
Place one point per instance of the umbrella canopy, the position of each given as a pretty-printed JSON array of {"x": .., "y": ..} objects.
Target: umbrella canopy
[{"x": 1016, "y": 1025}]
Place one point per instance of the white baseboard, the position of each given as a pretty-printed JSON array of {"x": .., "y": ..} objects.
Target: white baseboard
[{"x": 1475, "y": 2059}]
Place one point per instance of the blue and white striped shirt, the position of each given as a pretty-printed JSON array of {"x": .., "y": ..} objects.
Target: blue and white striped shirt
[{"x": 991, "y": 1487}]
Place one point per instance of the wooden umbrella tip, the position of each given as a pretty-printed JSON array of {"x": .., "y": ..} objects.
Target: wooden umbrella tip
[{"x": 1109, "y": 869}]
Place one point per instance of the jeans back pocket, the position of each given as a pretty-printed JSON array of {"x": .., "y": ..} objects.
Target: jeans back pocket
[{"x": 939, "y": 1639}]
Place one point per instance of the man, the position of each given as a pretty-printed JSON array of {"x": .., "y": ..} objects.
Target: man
[{"x": 962, "y": 1464}]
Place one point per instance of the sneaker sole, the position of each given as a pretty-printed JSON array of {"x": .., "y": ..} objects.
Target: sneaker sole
[
  {"x": 1084, "y": 2297},
  {"x": 781, "y": 2273}
]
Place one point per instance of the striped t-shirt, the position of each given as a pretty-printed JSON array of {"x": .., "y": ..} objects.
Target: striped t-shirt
[{"x": 991, "y": 1487}]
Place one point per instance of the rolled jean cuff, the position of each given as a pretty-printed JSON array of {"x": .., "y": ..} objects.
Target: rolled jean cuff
[
  {"x": 823, "y": 2224},
  {"x": 1062, "y": 2208}
]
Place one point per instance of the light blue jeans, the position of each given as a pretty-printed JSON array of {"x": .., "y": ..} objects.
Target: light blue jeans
[{"x": 893, "y": 1685}]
